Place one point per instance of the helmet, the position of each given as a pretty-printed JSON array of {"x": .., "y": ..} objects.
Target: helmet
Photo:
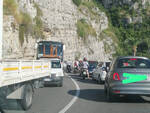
[
  {"x": 84, "y": 59},
  {"x": 80, "y": 61}
]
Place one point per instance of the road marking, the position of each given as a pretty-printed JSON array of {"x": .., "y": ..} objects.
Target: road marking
[{"x": 73, "y": 100}]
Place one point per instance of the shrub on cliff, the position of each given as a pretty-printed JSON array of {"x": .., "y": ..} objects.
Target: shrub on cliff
[
  {"x": 24, "y": 20},
  {"x": 77, "y": 2},
  {"x": 84, "y": 29}
]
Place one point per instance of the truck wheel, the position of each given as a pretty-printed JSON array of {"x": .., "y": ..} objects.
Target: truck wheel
[
  {"x": 26, "y": 102},
  {"x": 36, "y": 84},
  {"x": 83, "y": 77}
]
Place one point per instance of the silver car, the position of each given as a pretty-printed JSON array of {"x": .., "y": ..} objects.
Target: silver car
[
  {"x": 128, "y": 76},
  {"x": 99, "y": 74}
]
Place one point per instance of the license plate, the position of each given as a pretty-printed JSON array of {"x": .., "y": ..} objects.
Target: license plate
[
  {"x": 84, "y": 73},
  {"x": 47, "y": 79}
]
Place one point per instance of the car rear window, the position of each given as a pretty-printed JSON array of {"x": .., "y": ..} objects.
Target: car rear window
[
  {"x": 93, "y": 64},
  {"x": 56, "y": 64},
  {"x": 133, "y": 63}
]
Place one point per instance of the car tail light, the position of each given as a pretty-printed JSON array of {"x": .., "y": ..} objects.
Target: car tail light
[
  {"x": 116, "y": 76},
  {"x": 116, "y": 91},
  {"x": 133, "y": 59}
]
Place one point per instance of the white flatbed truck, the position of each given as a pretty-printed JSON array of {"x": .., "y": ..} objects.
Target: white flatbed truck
[{"x": 19, "y": 78}]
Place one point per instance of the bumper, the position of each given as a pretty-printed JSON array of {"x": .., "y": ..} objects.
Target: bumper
[
  {"x": 91, "y": 73},
  {"x": 54, "y": 80},
  {"x": 130, "y": 91},
  {"x": 103, "y": 78}
]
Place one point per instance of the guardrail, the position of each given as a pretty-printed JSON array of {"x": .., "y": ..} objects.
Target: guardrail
[{"x": 12, "y": 72}]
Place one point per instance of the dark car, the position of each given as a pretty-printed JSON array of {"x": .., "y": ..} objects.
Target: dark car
[
  {"x": 128, "y": 76},
  {"x": 92, "y": 66}
]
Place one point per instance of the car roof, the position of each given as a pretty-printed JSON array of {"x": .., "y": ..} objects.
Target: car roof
[
  {"x": 50, "y": 59},
  {"x": 52, "y": 42},
  {"x": 55, "y": 59},
  {"x": 92, "y": 61},
  {"x": 122, "y": 57}
]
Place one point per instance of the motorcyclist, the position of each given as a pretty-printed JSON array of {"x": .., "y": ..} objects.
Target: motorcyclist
[
  {"x": 68, "y": 66},
  {"x": 85, "y": 66},
  {"x": 76, "y": 64}
]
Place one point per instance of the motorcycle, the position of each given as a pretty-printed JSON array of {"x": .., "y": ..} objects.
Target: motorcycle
[
  {"x": 76, "y": 69},
  {"x": 69, "y": 68},
  {"x": 84, "y": 73}
]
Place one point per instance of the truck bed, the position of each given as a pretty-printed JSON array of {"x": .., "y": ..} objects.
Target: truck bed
[{"x": 12, "y": 72}]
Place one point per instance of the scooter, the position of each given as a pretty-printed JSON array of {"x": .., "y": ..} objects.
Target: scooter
[
  {"x": 84, "y": 73},
  {"x": 69, "y": 68},
  {"x": 76, "y": 69}
]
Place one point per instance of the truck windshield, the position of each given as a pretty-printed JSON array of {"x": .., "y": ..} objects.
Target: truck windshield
[
  {"x": 56, "y": 64},
  {"x": 133, "y": 63}
]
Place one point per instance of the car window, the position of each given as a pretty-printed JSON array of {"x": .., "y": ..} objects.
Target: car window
[
  {"x": 56, "y": 64},
  {"x": 93, "y": 64},
  {"x": 133, "y": 63}
]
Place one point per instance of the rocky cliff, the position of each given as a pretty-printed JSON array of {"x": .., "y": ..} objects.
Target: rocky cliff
[
  {"x": 132, "y": 5},
  {"x": 130, "y": 21},
  {"x": 59, "y": 23}
]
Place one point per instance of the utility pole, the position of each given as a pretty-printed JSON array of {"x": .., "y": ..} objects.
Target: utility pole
[{"x": 1, "y": 27}]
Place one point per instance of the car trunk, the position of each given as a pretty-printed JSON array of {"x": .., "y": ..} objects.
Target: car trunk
[{"x": 140, "y": 76}]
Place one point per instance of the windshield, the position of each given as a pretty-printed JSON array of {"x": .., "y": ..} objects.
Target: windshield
[
  {"x": 56, "y": 64},
  {"x": 93, "y": 64},
  {"x": 133, "y": 63},
  {"x": 50, "y": 48}
]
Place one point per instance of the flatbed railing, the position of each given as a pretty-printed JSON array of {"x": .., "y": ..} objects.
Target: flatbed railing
[{"x": 12, "y": 72}]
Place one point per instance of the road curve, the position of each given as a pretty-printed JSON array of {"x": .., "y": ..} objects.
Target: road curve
[{"x": 90, "y": 100}]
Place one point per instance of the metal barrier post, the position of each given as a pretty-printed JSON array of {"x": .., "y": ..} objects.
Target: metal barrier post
[
  {"x": 1, "y": 27},
  {"x": 20, "y": 69}
]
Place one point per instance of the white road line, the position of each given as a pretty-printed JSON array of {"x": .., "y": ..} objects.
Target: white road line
[{"x": 73, "y": 100}]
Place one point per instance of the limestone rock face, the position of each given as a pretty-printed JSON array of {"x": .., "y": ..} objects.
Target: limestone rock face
[{"x": 59, "y": 20}]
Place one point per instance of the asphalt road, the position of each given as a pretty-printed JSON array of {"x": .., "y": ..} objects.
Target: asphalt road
[{"x": 91, "y": 99}]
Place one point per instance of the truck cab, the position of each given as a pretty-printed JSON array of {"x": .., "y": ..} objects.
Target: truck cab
[
  {"x": 50, "y": 49},
  {"x": 56, "y": 76}
]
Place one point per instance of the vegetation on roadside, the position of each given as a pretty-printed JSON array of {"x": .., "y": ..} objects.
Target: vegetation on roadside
[
  {"x": 132, "y": 38},
  {"x": 84, "y": 29},
  {"x": 38, "y": 27},
  {"x": 107, "y": 47},
  {"x": 11, "y": 8},
  {"x": 77, "y": 2},
  {"x": 24, "y": 20}
]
